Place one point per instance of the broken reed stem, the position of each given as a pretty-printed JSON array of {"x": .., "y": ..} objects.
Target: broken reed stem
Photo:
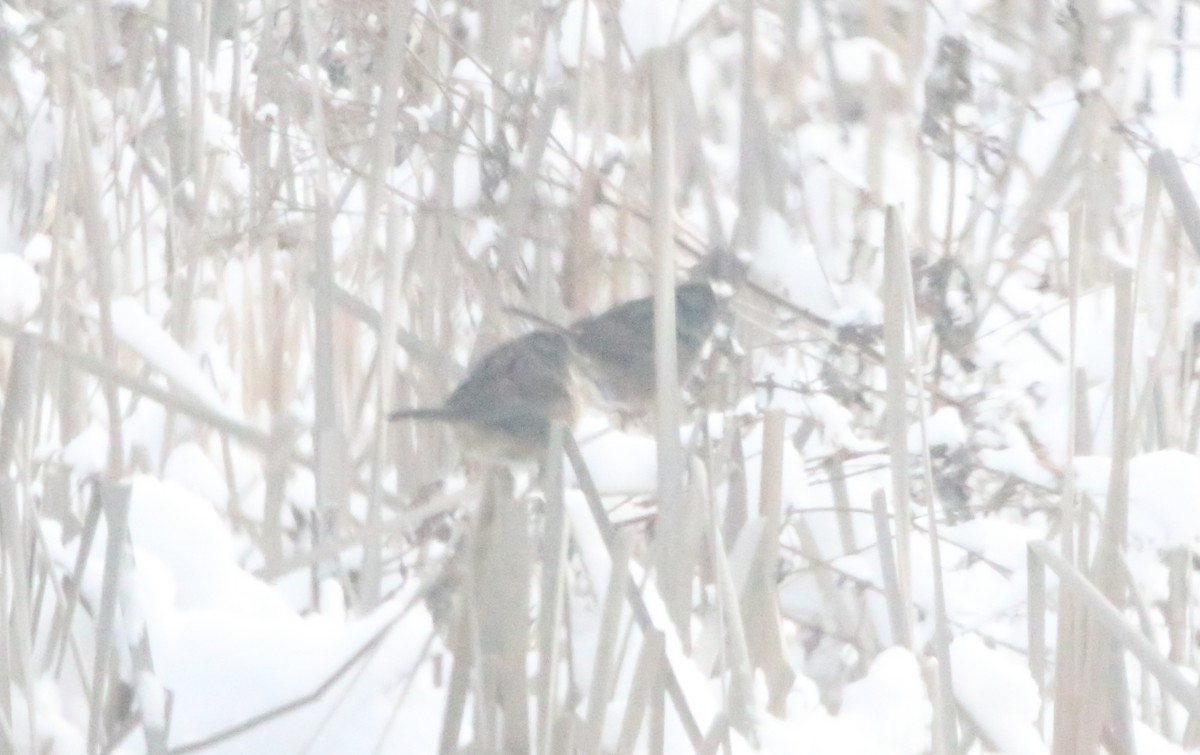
[{"x": 761, "y": 595}]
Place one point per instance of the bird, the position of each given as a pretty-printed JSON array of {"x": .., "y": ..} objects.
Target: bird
[
  {"x": 616, "y": 347},
  {"x": 503, "y": 410}
]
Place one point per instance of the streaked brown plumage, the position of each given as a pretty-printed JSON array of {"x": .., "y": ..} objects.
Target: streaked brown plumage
[
  {"x": 616, "y": 347},
  {"x": 502, "y": 411}
]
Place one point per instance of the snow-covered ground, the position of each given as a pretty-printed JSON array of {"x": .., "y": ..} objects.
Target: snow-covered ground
[{"x": 178, "y": 254}]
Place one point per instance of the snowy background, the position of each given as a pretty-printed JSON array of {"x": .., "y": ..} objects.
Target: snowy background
[{"x": 235, "y": 233}]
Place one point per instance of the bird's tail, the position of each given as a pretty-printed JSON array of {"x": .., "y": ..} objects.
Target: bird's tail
[{"x": 419, "y": 414}]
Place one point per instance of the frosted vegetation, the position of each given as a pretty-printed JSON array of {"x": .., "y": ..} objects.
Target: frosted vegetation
[{"x": 933, "y": 488}]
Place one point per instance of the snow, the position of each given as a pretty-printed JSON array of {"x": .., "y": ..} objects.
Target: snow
[
  {"x": 20, "y": 289},
  {"x": 51, "y": 729},
  {"x": 153, "y": 700},
  {"x": 654, "y": 24},
  {"x": 944, "y": 429},
  {"x": 1164, "y": 507},
  {"x": 230, "y": 640},
  {"x": 226, "y": 645},
  {"x": 580, "y": 33},
  {"x": 134, "y": 328},
  {"x": 998, "y": 694},
  {"x": 790, "y": 265},
  {"x": 620, "y": 462},
  {"x": 189, "y": 466},
  {"x": 854, "y": 58},
  {"x": 1090, "y": 81},
  {"x": 890, "y": 705}
]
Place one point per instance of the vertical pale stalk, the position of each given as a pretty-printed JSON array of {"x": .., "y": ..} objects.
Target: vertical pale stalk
[
  {"x": 672, "y": 584},
  {"x": 373, "y": 545},
  {"x": 895, "y": 267},
  {"x": 178, "y": 13},
  {"x": 98, "y": 240},
  {"x": 147, "y": 688},
  {"x": 18, "y": 522},
  {"x": 383, "y": 147},
  {"x": 898, "y": 614},
  {"x": 503, "y": 610},
  {"x": 673, "y": 567},
  {"x": 1066, "y": 658},
  {"x": 761, "y": 600},
  {"x": 898, "y": 269},
  {"x": 328, "y": 441},
  {"x": 751, "y": 170},
  {"x": 741, "y": 706},
  {"x": 114, "y": 502},
  {"x": 1036, "y": 609},
  {"x": 1178, "y": 624},
  {"x": 1100, "y": 687},
  {"x": 554, "y": 576},
  {"x": 462, "y": 651}
]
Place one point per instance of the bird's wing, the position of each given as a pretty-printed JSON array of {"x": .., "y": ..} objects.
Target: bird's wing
[
  {"x": 615, "y": 333},
  {"x": 510, "y": 382}
]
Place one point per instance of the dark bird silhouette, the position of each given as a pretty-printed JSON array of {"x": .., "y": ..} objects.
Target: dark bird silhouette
[
  {"x": 616, "y": 347},
  {"x": 502, "y": 411}
]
